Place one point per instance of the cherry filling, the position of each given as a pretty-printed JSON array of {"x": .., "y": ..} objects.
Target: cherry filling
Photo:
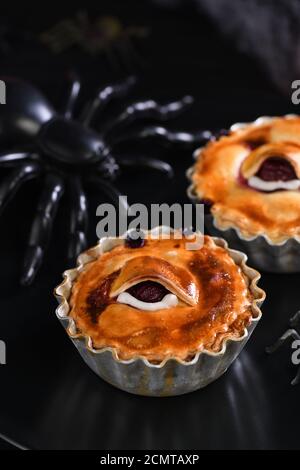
[
  {"x": 276, "y": 169},
  {"x": 148, "y": 291}
]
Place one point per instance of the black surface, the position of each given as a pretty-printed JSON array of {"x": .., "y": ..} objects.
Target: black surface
[
  {"x": 49, "y": 399},
  {"x": 8, "y": 444}
]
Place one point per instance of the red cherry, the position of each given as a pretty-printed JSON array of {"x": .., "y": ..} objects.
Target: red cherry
[
  {"x": 276, "y": 169},
  {"x": 148, "y": 291}
]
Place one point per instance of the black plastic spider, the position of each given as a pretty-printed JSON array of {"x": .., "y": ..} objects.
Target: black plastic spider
[
  {"x": 66, "y": 152},
  {"x": 289, "y": 333}
]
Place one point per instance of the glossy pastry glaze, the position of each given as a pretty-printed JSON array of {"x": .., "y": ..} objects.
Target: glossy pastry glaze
[
  {"x": 221, "y": 176},
  {"x": 221, "y": 300}
]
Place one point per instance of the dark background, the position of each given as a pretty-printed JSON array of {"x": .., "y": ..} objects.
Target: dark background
[{"x": 48, "y": 397}]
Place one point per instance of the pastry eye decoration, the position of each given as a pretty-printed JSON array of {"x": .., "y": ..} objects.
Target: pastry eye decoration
[
  {"x": 66, "y": 152},
  {"x": 272, "y": 167},
  {"x": 150, "y": 283}
]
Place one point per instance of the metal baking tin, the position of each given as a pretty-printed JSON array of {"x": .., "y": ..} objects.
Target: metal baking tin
[
  {"x": 172, "y": 376},
  {"x": 283, "y": 257}
]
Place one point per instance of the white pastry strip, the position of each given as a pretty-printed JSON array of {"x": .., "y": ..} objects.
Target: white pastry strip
[
  {"x": 169, "y": 300},
  {"x": 258, "y": 183}
]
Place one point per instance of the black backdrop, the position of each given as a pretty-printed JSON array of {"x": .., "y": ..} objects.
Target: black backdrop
[{"x": 49, "y": 398}]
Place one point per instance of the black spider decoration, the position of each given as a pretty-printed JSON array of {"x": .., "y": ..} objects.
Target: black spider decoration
[
  {"x": 66, "y": 152},
  {"x": 288, "y": 334}
]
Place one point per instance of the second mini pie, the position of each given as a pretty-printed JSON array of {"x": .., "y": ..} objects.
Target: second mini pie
[{"x": 250, "y": 183}]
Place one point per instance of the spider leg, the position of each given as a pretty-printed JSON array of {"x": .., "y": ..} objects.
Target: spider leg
[
  {"x": 295, "y": 319},
  {"x": 79, "y": 219},
  {"x": 186, "y": 139},
  {"x": 145, "y": 162},
  {"x": 8, "y": 159},
  {"x": 110, "y": 190},
  {"x": 151, "y": 109},
  {"x": 42, "y": 227},
  {"x": 73, "y": 95},
  {"x": 291, "y": 333},
  {"x": 104, "y": 96},
  {"x": 13, "y": 181},
  {"x": 296, "y": 379}
]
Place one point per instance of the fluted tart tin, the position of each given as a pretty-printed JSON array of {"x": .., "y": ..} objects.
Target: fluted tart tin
[{"x": 138, "y": 375}]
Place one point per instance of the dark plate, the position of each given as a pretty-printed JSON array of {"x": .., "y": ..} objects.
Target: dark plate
[{"x": 49, "y": 398}]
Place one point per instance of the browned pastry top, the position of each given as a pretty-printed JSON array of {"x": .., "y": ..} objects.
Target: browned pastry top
[
  {"x": 223, "y": 168},
  {"x": 214, "y": 300}
]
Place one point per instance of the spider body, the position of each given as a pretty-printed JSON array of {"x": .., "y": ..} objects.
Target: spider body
[
  {"x": 31, "y": 119},
  {"x": 68, "y": 153},
  {"x": 71, "y": 143}
]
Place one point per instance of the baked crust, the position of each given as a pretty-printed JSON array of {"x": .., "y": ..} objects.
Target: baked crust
[
  {"x": 222, "y": 167},
  {"x": 223, "y": 307}
]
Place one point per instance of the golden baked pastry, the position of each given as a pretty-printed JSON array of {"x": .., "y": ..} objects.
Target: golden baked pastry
[
  {"x": 251, "y": 179},
  {"x": 160, "y": 300}
]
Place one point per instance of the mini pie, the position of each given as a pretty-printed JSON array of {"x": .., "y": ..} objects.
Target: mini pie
[
  {"x": 251, "y": 179},
  {"x": 160, "y": 300}
]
